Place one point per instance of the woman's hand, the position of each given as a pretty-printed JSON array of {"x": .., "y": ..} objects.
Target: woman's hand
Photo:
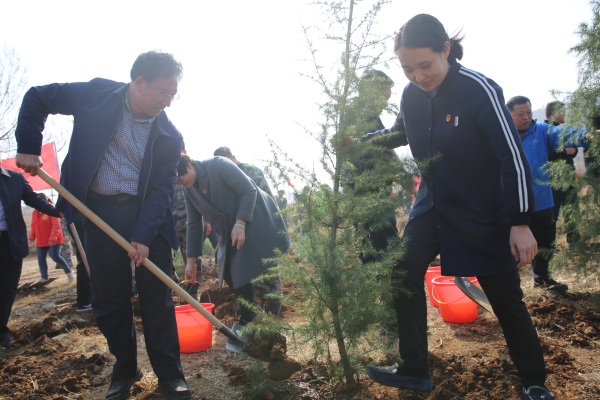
[
  {"x": 238, "y": 234},
  {"x": 522, "y": 244},
  {"x": 191, "y": 269}
]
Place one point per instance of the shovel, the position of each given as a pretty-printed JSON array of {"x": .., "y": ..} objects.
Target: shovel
[
  {"x": 473, "y": 292},
  {"x": 80, "y": 247},
  {"x": 234, "y": 342}
]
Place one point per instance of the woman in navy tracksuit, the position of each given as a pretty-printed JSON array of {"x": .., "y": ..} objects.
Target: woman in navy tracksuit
[{"x": 473, "y": 206}]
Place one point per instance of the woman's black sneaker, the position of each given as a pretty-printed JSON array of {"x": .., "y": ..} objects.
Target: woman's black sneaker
[
  {"x": 388, "y": 376},
  {"x": 550, "y": 284}
]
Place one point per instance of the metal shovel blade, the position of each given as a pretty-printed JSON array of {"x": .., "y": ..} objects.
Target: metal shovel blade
[
  {"x": 236, "y": 344},
  {"x": 473, "y": 292}
]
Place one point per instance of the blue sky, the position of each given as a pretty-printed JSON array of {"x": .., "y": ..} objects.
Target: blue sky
[{"x": 242, "y": 60}]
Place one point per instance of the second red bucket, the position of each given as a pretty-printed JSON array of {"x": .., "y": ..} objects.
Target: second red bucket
[
  {"x": 454, "y": 305},
  {"x": 431, "y": 273},
  {"x": 194, "y": 331}
]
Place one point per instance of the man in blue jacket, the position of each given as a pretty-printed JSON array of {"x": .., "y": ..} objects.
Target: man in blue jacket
[
  {"x": 122, "y": 164},
  {"x": 540, "y": 140},
  {"x": 13, "y": 240}
]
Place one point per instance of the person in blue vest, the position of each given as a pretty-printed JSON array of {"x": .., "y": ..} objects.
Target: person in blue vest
[
  {"x": 473, "y": 207},
  {"x": 540, "y": 140},
  {"x": 122, "y": 164},
  {"x": 14, "y": 188}
]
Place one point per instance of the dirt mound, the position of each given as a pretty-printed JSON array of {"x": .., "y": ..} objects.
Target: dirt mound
[
  {"x": 50, "y": 368},
  {"x": 568, "y": 319}
]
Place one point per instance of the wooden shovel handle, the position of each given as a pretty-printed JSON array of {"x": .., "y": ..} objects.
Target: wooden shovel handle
[
  {"x": 129, "y": 247},
  {"x": 80, "y": 247}
]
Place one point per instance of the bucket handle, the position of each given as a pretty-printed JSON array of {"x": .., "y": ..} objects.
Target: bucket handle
[
  {"x": 200, "y": 296},
  {"x": 444, "y": 302},
  {"x": 207, "y": 295}
]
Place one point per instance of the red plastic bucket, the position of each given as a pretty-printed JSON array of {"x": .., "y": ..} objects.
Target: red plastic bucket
[
  {"x": 194, "y": 331},
  {"x": 454, "y": 305},
  {"x": 431, "y": 273}
]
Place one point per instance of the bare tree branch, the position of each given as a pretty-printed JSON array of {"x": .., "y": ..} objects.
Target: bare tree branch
[{"x": 13, "y": 80}]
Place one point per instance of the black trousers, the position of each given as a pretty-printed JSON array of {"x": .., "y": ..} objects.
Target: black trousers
[
  {"x": 10, "y": 273},
  {"x": 84, "y": 286},
  {"x": 110, "y": 269},
  {"x": 503, "y": 291},
  {"x": 560, "y": 197},
  {"x": 380, "y": 238},
  {"x": 543, "y": 227}
]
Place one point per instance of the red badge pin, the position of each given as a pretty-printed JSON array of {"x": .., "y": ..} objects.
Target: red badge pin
[{"x": 448, "y": 117}]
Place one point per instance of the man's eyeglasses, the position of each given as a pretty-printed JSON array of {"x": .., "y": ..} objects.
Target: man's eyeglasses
[{"x": 166, "y": 95}]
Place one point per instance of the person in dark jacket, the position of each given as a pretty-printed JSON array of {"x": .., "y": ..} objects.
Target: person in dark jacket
[
  {"x": 253, "y": 172},
  {"x": 14, "y": 188},
  {"x": 474, "y": 203},
  {"x": 363, "y": 114},
  {"x": 246, "y": 220},
  {"x": 122, "y": 164},
  {"x": 555, "y": 115}
]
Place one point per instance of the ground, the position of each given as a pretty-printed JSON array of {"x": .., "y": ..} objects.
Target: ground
[{"x": 60, "y": 353}]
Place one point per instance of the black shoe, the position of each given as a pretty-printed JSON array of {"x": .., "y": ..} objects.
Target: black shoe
[
  {"x": 177, "y": 389},
  {"x": 273, "y": 306},
  {"x": 537, "y": 393},
  {"x": 84, "y": 308},
  {"x": 388, "y": 376},
  {"x": 120, "y": 388},
  {"x": 6, "y": 342},
  {"x": 550, "y": 284}
]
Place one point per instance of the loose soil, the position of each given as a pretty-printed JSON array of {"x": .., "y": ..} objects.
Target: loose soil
[{"x": 61, "y": 354}]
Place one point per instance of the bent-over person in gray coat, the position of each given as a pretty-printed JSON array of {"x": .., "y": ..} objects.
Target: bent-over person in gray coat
[{"x": 246, "y": 220}]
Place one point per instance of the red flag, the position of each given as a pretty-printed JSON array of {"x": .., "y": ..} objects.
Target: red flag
[{"x": 50, "y": 166}]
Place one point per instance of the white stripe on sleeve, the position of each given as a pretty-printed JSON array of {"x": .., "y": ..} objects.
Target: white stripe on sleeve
[{"x": 512, "y": 145}]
